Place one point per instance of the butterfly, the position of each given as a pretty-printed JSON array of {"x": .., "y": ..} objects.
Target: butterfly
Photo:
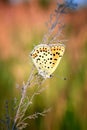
[{"x": 46, "y": 58}]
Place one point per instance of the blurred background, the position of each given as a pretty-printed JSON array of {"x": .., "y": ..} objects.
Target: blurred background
[{"x": 22, "y": 26}]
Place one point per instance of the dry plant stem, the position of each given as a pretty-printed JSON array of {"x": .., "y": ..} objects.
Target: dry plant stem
[
  {"x": 29, "y": 103},
  {"x": 25, "y": 86},
  {"x": 34, "y": 94},
  {"x": 34, "y": 79},
  {"x": 51, "y": 28},
  {"x": 35, "y": 115},
  {"x": 55, "y": 21}
]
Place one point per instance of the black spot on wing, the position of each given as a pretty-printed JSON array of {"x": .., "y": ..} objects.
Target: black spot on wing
[
  {"x": 55, "y": 59},
  {"x": 58, "y": 53}
]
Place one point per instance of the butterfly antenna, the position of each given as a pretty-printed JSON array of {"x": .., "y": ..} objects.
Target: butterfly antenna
[{"x": 63, "y": 78}]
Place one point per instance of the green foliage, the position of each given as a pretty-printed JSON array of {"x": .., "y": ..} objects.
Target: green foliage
[
  {"x": 6, "y": 80},
  {"x": 69, "y": 30},
  {"x": 70, "y": 121},
  {"x": 44, "y": 3}
]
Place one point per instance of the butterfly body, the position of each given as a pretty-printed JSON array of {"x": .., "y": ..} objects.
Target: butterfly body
[{"x": 46, "y": 58}]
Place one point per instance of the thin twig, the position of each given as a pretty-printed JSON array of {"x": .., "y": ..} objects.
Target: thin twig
[{"x": 24, "y": 93}]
